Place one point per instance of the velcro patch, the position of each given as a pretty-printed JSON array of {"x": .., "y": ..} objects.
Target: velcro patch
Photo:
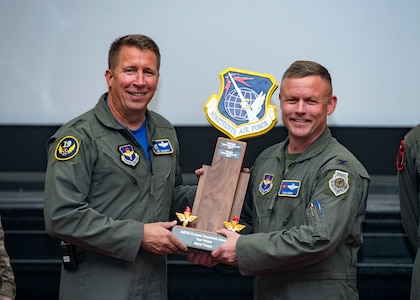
[
  {"x": 128, "y": 155},
  {"x": 289, "y": 188},
  {"x": 66, "y": 148},
  {"x": 339, "y": 183},
  {"x": 401, "y": 156},
  {"x": 162, "y": 146},
  {"x": 266, "y": 184}
]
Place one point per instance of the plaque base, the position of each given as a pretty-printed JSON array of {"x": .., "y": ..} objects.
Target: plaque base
[
  {"x": 198, "y": 239},
  {"x": 219, "y": 197}
]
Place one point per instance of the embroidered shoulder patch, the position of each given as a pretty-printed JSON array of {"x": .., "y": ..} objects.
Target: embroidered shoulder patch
[
  {"x": 400, "y": 163},
  {"x": 289, "y": 188},
  {"x": 339, "y": 183},
  {"x": 66, "y": 148},
  {"x": 162, "y": 146}
]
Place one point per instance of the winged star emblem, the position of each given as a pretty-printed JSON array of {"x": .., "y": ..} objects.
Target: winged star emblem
[{"x": 186, "y": 217}]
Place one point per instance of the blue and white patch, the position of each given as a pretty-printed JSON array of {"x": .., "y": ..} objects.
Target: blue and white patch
[
  {"x": 162, "y": 146},
  {"x": 242, "y": 108},
  {"x": 266, "y": 184},
  {"x": 128, "y": 155},
  {"x": 339, "y": 183},
  {"x": 66, "y": 148},
  {"x": 289, "y": 188}
]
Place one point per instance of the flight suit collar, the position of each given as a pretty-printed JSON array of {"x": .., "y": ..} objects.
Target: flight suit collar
[
  {"x": 104, "y": 115},
  {"x": 313, "y": 149}
]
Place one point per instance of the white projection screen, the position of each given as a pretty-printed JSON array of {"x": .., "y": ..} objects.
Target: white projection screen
[{"x": 54, "y": 53}]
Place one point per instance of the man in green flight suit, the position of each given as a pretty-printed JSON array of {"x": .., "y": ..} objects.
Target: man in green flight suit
[
  {"x": 305, "y": 204},
  {"x": 112, "y": 177},
  {"x": 408, "y": 166}
]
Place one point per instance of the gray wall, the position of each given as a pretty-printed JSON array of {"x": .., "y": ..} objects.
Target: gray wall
[{"x": 53, "y": 54}]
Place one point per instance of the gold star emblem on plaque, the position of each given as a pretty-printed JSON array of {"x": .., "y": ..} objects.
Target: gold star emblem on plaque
[
  {"x": 234, "y": 225},
  {"x": 186, "y": 217}
]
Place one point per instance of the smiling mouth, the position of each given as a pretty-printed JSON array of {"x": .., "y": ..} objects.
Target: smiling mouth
[{"x": 137, "y": 94}]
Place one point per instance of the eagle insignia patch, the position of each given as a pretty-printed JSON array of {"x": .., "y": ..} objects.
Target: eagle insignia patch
[{"x": 242, "y": 108}]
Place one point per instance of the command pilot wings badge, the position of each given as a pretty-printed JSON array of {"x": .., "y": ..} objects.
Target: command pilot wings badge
[{"x": 242, "y": 108}]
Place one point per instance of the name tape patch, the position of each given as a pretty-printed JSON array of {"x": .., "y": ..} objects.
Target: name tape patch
[
  {"x": 162, "y": 146},
  {"x": 289, "y": 188}
]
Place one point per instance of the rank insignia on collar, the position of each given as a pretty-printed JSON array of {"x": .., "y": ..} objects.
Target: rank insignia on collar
[
  {"x": 341, "y": 162},
  {"x": 266, "y": 184},
  {"x": 128, "y": 156},
  {"x": 242, "y": 109},
  {"x": 339, "y": 183},
  {"x": 66, "y": 148},
  {"x": 162, "y": 146},
  {"x": 289, "y": 188}
]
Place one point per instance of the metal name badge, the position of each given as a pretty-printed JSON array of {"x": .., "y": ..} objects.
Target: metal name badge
[{"x": 242, "y": 108}]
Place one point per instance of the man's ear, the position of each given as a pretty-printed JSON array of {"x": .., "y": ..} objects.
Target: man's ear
[
  {"x": 332, "y": 105},
  {"x": 108, "y": 77}
]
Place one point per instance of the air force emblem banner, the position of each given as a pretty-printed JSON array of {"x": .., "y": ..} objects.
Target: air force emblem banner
[{"x": 242, "y": 108}]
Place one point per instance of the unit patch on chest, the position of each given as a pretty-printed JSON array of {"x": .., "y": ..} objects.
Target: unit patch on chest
[
  {"x": 266, "y": 184},
  {"x": 128, "y": 155}
]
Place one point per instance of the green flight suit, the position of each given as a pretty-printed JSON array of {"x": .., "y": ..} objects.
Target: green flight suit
[
  {"x": 307, "y": 222},
  {"x": 99, "y": 192},
  {"x": 408, "y": 165}
]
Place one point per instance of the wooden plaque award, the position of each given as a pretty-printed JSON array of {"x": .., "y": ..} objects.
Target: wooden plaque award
[{"x": 240, "y": 110}]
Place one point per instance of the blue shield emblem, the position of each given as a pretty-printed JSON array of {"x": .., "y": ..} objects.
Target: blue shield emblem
[
  {"x": 128, "y": 155},
  {"x": 242, "y": 108},
  {"x": 266, "y": 184}
]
